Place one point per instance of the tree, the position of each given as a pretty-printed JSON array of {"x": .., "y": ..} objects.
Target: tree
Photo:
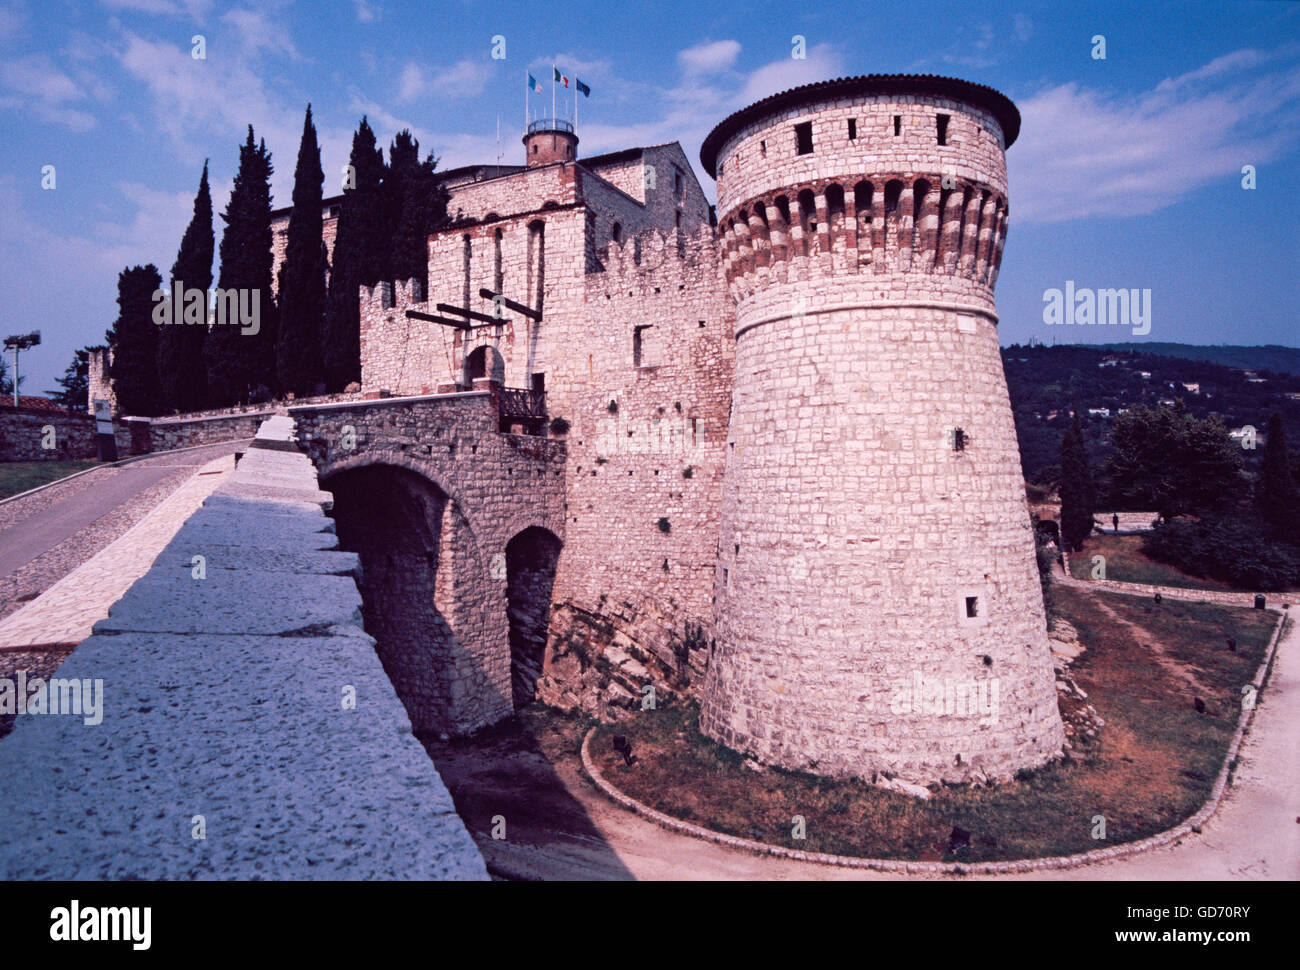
[
  {"x": 133, "y": 341},
  {"x": 302, "y": 277},
  {"x": 181, "y": 369},
  {"x": 1276, "y": 496},
  {"x": 1078, "y": 495},
  {"x": 6, "y": 382},
  {"x": 416, "y": 205},
  {"x": 75, "y": 382},
  {"x": 1167, "y": 459},
  {"x": 238, "y": 362},
  {"x": 358, "y": 249}
]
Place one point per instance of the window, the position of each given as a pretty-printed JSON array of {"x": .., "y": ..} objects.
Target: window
[
  {"x": 972, "y": 607},
  {"x": 617, "y": 233},
  {"x": 853, "y": 129},
  {"x": 958, "y": 439},
  {"x": 534, "y": 148},
  {"x": 941, "y": 125},
  {"x": 898, "y": 125},
  {"x": 643, "y": 347},
  {"x": 335, "y": 210},
  {"x": 762, "y": 148},
  {"x": 803, "y": 138},
  {"x": 679, "y": 184}
]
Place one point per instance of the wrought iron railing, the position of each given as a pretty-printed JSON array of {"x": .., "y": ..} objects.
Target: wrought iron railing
[
  {"x": 522, "y": 404},
  {"x": 549, "y": 124}
]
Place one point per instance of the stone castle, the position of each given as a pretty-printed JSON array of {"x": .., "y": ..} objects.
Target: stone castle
[{"x": 774, "y": 444}]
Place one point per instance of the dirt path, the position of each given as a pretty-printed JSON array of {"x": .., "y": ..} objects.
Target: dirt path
[{"x": 561, "y": 827}]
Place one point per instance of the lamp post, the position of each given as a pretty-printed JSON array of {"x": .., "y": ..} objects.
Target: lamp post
[{"x": 16, "y": 343}]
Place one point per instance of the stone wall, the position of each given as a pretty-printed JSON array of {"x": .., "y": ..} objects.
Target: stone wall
[{"x": 23, "y": 430}]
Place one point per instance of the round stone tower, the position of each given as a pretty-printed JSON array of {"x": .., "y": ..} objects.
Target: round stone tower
[
  {"x": 878, "y": 607},
  {"x": 550, "y": 140}
]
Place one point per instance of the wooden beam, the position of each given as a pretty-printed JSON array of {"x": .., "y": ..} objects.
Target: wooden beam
[
  {"x": 470, "y": 314},
  {"x": 457, "y": 324},
  {"x": 511, "y": 304}
]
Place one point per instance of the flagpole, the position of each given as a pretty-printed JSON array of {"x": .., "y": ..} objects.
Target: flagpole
[{"x": 552, "y": 94}]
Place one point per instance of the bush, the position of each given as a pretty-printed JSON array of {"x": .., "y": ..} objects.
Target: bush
[
  {"x": 1237, "y": 551},
  {"x": 559, "y": 426}
]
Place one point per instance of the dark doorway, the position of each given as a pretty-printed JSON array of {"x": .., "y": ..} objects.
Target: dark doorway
[{"x": 530, "y": 575}]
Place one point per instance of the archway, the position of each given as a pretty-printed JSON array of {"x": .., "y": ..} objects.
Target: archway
[
  {"x": 530, "y": 575},
  {"x": 392, "y": 518},
  {"x": 484, "y": 361}
]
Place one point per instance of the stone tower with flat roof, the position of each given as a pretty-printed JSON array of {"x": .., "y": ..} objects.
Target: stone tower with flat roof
[{"x": 877, "y": 601}]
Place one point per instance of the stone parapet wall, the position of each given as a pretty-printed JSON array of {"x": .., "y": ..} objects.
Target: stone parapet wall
[
  {"x": 22, "y": 432},
  {"x": 246, "y": 728}
]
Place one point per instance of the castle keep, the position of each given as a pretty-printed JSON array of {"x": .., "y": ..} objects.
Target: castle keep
[{"x": 764, "y": 457}]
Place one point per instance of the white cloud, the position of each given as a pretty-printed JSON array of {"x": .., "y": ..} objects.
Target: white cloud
[
  {"x": 709, "y": 58},
  {"x": 465, "y": 79},
  {"x": 366, "y": 12},
  {"x": 33, "y": 84},
  {"x": 193, "y": 9},
  {"x": 1083, "y": 153},
  {"x": 822, "y": 63}
]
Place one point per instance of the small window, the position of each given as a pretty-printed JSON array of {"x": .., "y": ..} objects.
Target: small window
[
  {"x": 762, "y": 148},
  {"x": 853, "y": 129},
  {"x": 617, "y": 233},
  {"x": 679, "y": 221},
  {"x": 679, "y": 184},
  {"x": 972, "y": 607},
  {"x": 958, "y": 439},
  {"x": 941, "y": 124},
  {"x": 803, "y": 138},
  {"x": 898, "y": 125},
  {"x": 335, "y": 210},
  {"x": 534, "y": 148},
  {"x": 642, "y": 347}
]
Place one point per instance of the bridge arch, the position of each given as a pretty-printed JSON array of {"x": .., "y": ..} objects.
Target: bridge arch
[{"x": 531, "y": 557}]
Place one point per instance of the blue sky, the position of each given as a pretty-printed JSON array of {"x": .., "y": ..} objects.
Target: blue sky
[{"x": 1127, "y": 172}]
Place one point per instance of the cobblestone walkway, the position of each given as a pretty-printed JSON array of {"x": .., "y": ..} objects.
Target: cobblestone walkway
[{"x": 65, "y": 612}]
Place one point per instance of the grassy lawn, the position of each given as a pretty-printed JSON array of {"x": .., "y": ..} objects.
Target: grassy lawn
[
  {"x": 1126, "y": 563},
  {"x": 1151, "y": 767},
  {"x": 19, "y": 476}
]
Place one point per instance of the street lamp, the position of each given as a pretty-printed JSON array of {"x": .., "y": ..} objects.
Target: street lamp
[{"x": 17, "y": 342}]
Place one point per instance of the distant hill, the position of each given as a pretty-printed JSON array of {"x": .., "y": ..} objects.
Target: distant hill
[
  {"x": 1044, "y": 383},
  {"x": 1272, "y": 357}
]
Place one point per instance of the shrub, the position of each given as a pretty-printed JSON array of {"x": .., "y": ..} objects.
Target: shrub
[
  {"x": 1237, "y": 551},
  {"x": 560, "y": 426},
  {"x": 663, "y": 524}
]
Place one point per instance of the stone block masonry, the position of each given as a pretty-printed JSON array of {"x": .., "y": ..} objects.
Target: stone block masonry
[
  {"x": 878, "y": 607},
  {"x": 242, "y": 702}
]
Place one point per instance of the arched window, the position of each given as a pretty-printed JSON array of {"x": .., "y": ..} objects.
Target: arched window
[{"x": 616, "y": 233}]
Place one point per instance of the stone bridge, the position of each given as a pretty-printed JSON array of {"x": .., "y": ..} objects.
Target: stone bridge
[{"x": 458, "y": 526}]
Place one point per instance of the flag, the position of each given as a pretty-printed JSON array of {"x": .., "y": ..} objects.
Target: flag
[
  {"x": 560, "y": 78},
  {"x": 586, "y": 91},
  {"x": 532, "y": 83}
]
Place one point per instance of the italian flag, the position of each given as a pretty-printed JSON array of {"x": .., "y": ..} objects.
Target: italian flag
[{"x": 560, "y": 77}]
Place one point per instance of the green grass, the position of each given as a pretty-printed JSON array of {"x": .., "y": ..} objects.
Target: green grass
[
  {"x": 1126, "y": 563},
  {"x": 19, "y": 476},
  {"x": 1152, "y": 765}
]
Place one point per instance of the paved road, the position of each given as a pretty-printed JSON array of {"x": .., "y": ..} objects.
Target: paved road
[{"x": 40, "y": 532}]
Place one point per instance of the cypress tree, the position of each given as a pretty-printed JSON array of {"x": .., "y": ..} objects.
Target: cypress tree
[
  {"x": 416, "y": 204},
  {"x": 134, "y": 342},
  {"x": 75, "y": 383},
  {"x": 302, "y": 277},
  {"x": 358, "y": 249},
  {"x": 1078, "y": 497},
  {"x": 1276, "y": 496},
  {"x": 238, "y": 363},
  {"x": 181, "y": 370}
]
